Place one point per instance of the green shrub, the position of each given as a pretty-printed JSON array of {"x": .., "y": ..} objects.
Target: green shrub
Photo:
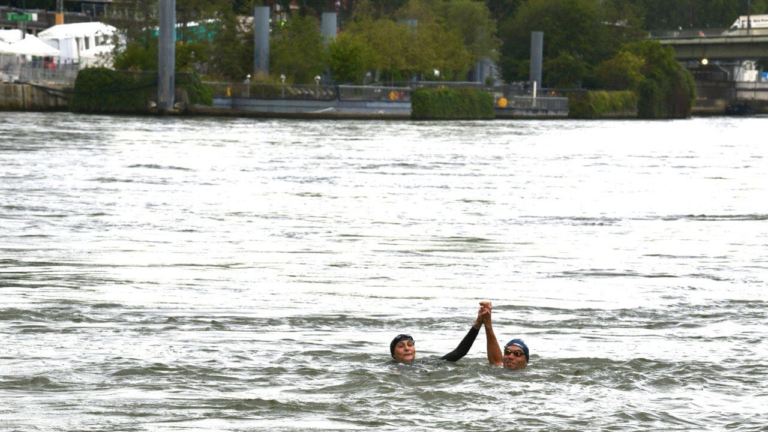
[
  {"x": 198, "y": 93},
  {"x": 104, "y": 90},
  {"x": 602, "y": 104},
  {"x": 445, "y": 104}
]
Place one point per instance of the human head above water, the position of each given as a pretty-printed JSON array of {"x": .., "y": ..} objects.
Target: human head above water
[
  {"x": 403, "y": 348},
  {"x": 513, "y": 358}
]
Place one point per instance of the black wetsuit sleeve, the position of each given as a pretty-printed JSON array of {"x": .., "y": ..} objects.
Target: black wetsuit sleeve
[{"x": 463, "y": 347}]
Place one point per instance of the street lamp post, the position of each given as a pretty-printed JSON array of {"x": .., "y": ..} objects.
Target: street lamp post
[
  {"x": 317, "y": 86},
  {"x": 282, "y": 80}
]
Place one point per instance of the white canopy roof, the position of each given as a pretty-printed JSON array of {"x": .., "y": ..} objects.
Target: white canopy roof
[
  {"x": 31, "y": 45},
  {"x": 96, "y": 52},
  {"x": 3, "y": 46},
  {"x": 11, "y": 36},
  {"x": 77, "y": 30}
]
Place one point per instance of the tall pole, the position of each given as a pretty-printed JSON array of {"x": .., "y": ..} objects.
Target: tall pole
[
  {"x": 749, "y": 16},
  {"x": 261, "y": 41},
  {"x": 167, "y": 55},
  {"x": 537, "y": 56}
]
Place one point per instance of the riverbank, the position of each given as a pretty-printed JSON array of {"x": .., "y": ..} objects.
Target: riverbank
[
  {"x": 37, "y": 98},
  {"x": 30, "y": 97}
]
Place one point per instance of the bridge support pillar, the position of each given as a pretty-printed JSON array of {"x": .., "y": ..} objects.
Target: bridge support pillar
[{"x": 537, "y": 55}]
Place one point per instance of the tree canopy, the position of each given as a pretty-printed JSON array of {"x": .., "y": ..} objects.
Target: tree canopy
[{"x": 402, "y": 39}]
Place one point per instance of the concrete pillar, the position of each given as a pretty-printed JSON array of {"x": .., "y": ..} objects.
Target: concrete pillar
[
  {"x": 329, "y": 26},
  {"x": 167, "y": 55},
  {"x": 261, "y": 40},
  {"x": 537, "y": 55}
]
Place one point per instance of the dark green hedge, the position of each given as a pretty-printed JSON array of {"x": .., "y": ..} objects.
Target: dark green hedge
[
  {"x": 109, "y": 91},
  {"x": 602, "y": 104},
  {"x": 450, "y": 104},
  {"x": 105, "y": 90}
]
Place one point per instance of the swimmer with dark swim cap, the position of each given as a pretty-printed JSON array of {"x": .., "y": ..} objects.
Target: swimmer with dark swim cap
[
  {"x": 403, "y": 347},
  {"x": 516, "y": 353}
]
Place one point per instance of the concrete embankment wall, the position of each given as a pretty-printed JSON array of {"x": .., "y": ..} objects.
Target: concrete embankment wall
[
  {"x": 306, "y": 108},
  {"x": 25, "y": 97},
  {"x": 713, "y": 97}
]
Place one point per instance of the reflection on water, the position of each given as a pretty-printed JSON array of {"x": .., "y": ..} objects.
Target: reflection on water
[{"x": 229, "y": 274}]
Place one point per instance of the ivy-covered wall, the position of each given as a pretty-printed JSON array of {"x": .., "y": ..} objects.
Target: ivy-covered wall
[
  {"x": 448, "y": 104},
  {"x": 102, "y": 90},
  {"x": 602, "y": 104}
]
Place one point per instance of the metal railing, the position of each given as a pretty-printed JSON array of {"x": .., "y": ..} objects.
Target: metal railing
[
  {"x": 273, "y": 91},
  {"x": 63, "y": 73},
  {"x": 542, "y": 103},
  {"x": 705, "y": 33},
  {"x": 373, "y": 94},
  {"x": 518, "y": 95},
  {"x": 17, "y": 68}
]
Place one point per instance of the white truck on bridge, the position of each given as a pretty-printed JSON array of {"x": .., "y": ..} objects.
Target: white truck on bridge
[{"x": 757, "y": 21}]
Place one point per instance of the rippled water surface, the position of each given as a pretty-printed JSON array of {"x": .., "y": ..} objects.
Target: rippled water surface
[{"x": 162, "y": 274}]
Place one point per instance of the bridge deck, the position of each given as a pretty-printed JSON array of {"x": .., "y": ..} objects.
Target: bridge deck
[{"x": 723, "y": 47}]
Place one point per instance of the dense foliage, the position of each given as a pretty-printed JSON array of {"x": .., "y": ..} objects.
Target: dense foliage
[
  {"x": 575, "y": 38},
  {"x": 450, "y": 37},
  {"x": 297, "y": 50},
  {"x": 667, "y": 90},
  {"x": 602, "y": 104},
  {"x": 449, "y": 103},
  {"x": 106, "y": 90},
  {"x": 664, "y": 87},
  {"x": 109, "y": 91},
  {"x": 401, "y": 40}
]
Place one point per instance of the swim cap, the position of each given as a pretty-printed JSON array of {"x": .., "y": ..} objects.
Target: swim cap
[
  {"x": 398, "y": 338},
  {"x": 520, "y": 344}
]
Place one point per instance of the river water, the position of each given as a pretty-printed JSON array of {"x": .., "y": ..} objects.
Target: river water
[{"x": 164, "y": 274}]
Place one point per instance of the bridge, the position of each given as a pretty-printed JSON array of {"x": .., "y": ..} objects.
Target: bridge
[
  {"x": 717, "y": 44},
  {"x": 725, "y": 50}
]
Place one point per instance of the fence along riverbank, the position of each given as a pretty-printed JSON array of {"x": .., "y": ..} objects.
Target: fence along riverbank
[{"x": 311, "y": 101}]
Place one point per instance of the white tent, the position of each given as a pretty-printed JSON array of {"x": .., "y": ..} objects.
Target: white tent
[
  {"x": 72, "y": 39},
  {"x": 77, "y": 30},
  {"x": 33, "y": 46},
  {"x": 11, "y": 36},
  {"x": 3, "y": 46}
]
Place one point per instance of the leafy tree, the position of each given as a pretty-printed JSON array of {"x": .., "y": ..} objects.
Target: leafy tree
[
  {"x": 199, "y": 11},
  {"x": 297, "y": 50},
  {"x": 138, "y": 56},
  {"x": 564, "y": 71},
  {"x": 623, "y": 72},
  {"x": 432, "y": 46},
  {"x": 387, "y": 41},
  {"x": 348, "y": 56},
  {"x": 667, "y": 89},
  {"x": 134, "y": 20},
  {"x": 570, "y": 26},
  {"x": 676, "y": 14},
  {"x": 190, "y": 54},
  {"x": 476, "y": 26},
  {"x": 231, "y": 55},
  {"x": 503, "y": 9}
]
